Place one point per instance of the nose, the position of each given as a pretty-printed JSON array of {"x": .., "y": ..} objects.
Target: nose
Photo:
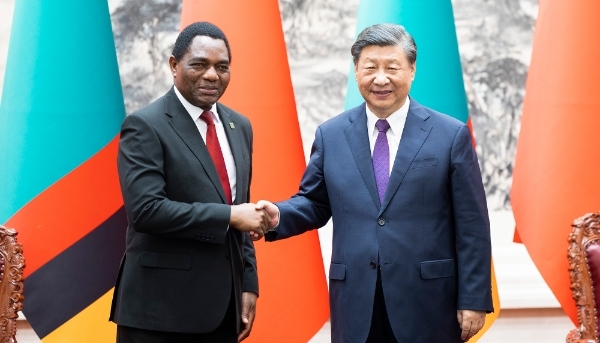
[
  {"x": 210, "y": 74},
  {"x": 380, "y": 78}
]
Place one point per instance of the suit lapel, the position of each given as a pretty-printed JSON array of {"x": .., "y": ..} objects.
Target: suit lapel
[
  {"x": 185, "y": 127},
  {"x": 235, "y": 143},
  {"x": 358, "y": 140},
  {"x": 416, "y": 130}
]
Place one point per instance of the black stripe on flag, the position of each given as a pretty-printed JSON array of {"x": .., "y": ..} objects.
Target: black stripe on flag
[{"x": 77, "y": 277}]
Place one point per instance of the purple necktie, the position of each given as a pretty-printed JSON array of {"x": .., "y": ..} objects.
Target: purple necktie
[{"x": 381, "y": 158}]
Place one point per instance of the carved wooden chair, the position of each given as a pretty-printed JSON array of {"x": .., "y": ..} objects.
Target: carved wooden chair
[
  {"x": 584, "y": 268},
  {"x": 12, "y": 263}
]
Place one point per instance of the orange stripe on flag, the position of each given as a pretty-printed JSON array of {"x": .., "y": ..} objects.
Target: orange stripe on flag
[
  {"x": 70, "y": 208},
  {"x": 490, "y": 318},
  {"x": 558, "y": 151},
  {"x": 90, "y": 325},
  {"x": 293, "y": 299}
]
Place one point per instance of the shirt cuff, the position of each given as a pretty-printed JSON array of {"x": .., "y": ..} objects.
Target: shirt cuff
[{"x": 274, "y": 229}]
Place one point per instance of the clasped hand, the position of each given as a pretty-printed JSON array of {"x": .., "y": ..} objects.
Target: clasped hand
[
  {"x": 256, "y": 219},
  {"x": 248, "y": 218}
]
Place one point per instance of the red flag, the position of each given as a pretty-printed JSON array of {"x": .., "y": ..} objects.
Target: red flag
[
  {"x": 558, "y": 151},
  {"x": 293, "y": 303}
]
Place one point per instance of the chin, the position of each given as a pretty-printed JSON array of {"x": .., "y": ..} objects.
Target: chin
[
  {"x": 381, "y": 106},
  {"x": 205, "y": 102}
]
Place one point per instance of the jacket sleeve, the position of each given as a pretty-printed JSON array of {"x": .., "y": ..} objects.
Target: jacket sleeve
[
  {"x": 309, "y": 208},
  {"x": 472, "y": 226},
  {"x": 250, "y": 266},
  {"x": 250, "y": 270},
  {"x": 142, "y": 177}
]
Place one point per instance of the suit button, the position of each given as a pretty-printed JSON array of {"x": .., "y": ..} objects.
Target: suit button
[
  {"x": 381, "y": 221},
  {"x": 228, "y": 256},
  {"x": 373, "y": 264}
]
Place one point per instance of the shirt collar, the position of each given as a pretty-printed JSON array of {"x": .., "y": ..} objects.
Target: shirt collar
[
  {"x": 396, "y": 119},
  {"x": 195, "y": 111}
]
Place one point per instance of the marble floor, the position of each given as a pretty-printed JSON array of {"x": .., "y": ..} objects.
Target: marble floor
[
  {"x": 543, "y": 325},
  {"x": 549, "y": 325}
]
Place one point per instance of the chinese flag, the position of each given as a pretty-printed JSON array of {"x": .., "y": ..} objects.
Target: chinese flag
[
  {"x": 293, "y": 302},
  {"x": 558, "y": 152}
]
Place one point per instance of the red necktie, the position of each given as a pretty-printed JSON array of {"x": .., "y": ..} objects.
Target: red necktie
[{"x": 214, "y": 149}]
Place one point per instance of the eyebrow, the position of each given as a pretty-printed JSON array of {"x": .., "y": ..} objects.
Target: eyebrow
[
  {"x": 367, "y": 59},
  {"x": 204, "y": 59}
]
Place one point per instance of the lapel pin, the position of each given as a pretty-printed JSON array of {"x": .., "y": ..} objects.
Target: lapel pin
[{"x": 231, "y": 125}]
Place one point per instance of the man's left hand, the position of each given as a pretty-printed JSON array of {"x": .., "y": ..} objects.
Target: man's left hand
[
  {"x": 470, "y": 322},
  {"x": 248, "y": 314}
]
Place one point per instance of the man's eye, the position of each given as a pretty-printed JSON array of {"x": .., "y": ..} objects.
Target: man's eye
[{"x": 223, "y": 68}]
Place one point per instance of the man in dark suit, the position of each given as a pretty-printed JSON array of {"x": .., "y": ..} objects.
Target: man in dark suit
[
  {"x": 411, "y": 244},
  {"x": 189, "y": 270}
]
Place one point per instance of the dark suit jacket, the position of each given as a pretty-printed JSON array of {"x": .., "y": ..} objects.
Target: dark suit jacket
[
  {"x": 431, "y": 231},
  {"x": 181, "y": 263}
]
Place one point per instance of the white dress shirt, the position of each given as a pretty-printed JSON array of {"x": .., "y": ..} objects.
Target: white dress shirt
[
  {"x": 396, "y": 121},
  {"x": 195, "y": 113}
]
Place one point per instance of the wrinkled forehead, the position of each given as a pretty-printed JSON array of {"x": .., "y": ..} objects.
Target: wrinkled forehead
[
  {"x": 382, "y": 53},
  {"x": 205, "y": 46}
]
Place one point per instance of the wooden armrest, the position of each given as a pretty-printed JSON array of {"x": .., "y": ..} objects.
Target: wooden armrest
[{"x": 576, "y": 336}]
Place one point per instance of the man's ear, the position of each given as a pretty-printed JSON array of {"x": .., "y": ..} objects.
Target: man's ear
[{"x": 173, "y": 63}]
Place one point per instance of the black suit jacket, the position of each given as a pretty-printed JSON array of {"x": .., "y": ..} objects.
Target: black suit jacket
[{"x": 182, "y": 263}]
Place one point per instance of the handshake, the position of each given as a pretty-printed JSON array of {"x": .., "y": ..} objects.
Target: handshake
[{"x": 256, "y": 219}]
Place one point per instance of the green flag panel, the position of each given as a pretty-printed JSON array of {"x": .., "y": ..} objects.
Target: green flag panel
[
  {"x": 438, "y": 82},
  {"x": 61, "y": 101}
]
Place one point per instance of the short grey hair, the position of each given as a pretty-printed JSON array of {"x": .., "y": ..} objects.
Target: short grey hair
[{"x": 385, "y": 35}]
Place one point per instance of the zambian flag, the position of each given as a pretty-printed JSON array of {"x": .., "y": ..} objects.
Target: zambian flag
[
  {"x": 438, "y": 81},
  {"x": 60, "y": 114}
]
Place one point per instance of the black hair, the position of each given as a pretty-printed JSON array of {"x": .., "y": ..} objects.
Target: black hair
[
  {"x": 385, "y": 35},
  {"x": 201, "y": 28}
]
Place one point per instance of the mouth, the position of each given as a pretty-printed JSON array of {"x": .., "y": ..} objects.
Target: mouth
[
  {"x": 208, "y": 90},
  {"x": 381, "y": 94}
]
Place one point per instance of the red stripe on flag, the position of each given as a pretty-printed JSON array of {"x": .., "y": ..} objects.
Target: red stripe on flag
[
  {"x": 70, "y": 208},
  {"x": 470, "y": 125}
]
